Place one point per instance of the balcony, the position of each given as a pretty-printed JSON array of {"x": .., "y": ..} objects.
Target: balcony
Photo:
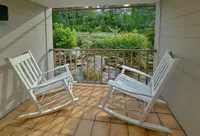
[{"x": 85, "y": 119}]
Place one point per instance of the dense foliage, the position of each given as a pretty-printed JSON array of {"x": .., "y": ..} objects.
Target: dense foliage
[
  {"x": 129, "y": 28},
  {"x": 131, "y": 40},
  {"x": 98, "y": 20},
  {"x": 64, "y": 37}
]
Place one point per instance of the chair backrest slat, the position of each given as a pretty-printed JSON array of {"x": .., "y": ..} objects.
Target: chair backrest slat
[
  {"x": 31, "y": 70},
  {"x": 160, "y": 77},
  {"x": 23, "y": 75},
  {"x": 163, "y": 69},
  {"x": 27, "y": 69},
  {"x": 35, "y": 63},
  {"x": 28, "y": 74},
  {"x": 34, "y": 69}
]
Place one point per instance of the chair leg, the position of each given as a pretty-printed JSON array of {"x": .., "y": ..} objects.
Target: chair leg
[
  {"x": 107, "y": 96},
  {"x": 35, "y": 101},
  {"x": 69, "y": 90}
]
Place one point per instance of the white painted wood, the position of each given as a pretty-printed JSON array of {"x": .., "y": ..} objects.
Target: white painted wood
[
  {"x": 134, "y": 70},
  {"x": 44, "y": 112},
  {"x": 23, "y": 75},
  {"x": 20, "y": 59},
  {"x": 35, "y": 70},
  {"x": 78, "y": 3},
  {"x": 36, "y": 84},
  {"x": 35, "y": 63},
  {"x": 125, "y": 87},
  {"x": 148, "y": 93},
  {"x": 63, "y": 93},
  {"x": 29, "y": 76},
  {"x": 31, "y": 70},
  {"x": 157, "y": 35},
  {"x": 136, "y": 122}
]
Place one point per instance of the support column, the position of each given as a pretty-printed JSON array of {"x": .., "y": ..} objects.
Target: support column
[
  {"x": 157, "y": 35},
  {"x": 49, "y": 40}
]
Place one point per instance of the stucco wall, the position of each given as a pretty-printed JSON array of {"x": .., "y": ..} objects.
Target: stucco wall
[
  {"x": 24, "y": 31},
  {"x": 180, "y": 33}
]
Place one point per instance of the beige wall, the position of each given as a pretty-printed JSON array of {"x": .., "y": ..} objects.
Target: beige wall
[
  {"x": 79, "y": 3},
  {"x": 25, "y": 30},
  {"x": 180, "y": 33}
]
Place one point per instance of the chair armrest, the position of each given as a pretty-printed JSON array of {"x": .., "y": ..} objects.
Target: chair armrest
[
  {"x": 135, "y": 70},
  {"x": 59, "y": 67}
]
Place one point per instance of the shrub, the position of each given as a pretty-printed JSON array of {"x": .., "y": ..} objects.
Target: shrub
[
  {"x": 124, "y": 40},
  {"x": 150, "y": 34},
  {"x": 127, "y": 41},
  {"x": 63, "y": 37}
]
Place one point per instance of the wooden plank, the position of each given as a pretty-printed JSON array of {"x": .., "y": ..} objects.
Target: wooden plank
[
  {"x": 35, "y": 63},
  {"x": 76, "y": 67},
  {"x": 82, "y": 78},
  {"x": 23, "y": 76},
  {"x": 29, "y": 67},
  {"x": 29, "y": 76},
  {"x": 87, "y": 68},
  {"x": 34, "y": 69},
  {"x": 108, "y": 67},
  {"x": 147, "y": 66},
  {"x": 139, "y": 67},
  {"x": 94, "y": 66},
  {"x": 101, "y": 67},
  {"x": 21, "y": 58},
  {"x": 70, "y": 58}
]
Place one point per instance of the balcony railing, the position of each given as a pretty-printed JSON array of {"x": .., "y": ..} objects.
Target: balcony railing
[{"x": 101, "y": 65}]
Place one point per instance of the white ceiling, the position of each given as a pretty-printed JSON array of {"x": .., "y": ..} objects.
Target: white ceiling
[{"x": 78, "y": 3}]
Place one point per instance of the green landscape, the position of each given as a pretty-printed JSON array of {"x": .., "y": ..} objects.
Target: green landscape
[
  {"x": 123, "y": 28},
  {"x": 104, "y": 28}
]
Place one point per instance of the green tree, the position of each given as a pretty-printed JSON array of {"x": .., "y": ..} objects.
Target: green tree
[{"x": 63, "y": 37}]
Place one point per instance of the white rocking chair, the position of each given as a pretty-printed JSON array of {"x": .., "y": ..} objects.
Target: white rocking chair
[
  {"x": 149, "y": 94},
  {"x": 49, "y": 91}
]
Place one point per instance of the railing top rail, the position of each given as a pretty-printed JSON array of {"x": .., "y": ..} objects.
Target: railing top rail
[{"x": 115, "y": 50}]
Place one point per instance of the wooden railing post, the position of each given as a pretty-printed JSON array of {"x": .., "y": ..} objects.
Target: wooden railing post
[
  {"x": 108, "y": 67},
  {"x": 101, "y": 67},
  {"x": 76, "y": 66},
  {"x": 87, "y": 68},
  {"x": 139, "y": 65},
  {"x": 82, "y": 78},
  {"x": 147, "y": 66},
  {"x": 94, "y": 76}
]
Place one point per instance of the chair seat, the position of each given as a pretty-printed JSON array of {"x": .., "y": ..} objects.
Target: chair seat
[
  {"x": 131, "y": 85},
  {"x": 52, "y": 82}
]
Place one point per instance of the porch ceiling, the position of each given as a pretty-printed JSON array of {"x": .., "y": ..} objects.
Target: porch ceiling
[{"x": 77, "y": 3}]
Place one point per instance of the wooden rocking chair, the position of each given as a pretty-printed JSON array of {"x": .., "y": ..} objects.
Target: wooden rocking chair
[
  {"x": 149, "y": 94},
  {"x": 49, "y": 92}
]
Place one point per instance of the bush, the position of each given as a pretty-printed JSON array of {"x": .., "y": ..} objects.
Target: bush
[
  {"x": 131, "y": 40},
  {"x": 127, "y": 41},
  {"x": 150, "y": 34},
  {"x": 63, "y": 37}
]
